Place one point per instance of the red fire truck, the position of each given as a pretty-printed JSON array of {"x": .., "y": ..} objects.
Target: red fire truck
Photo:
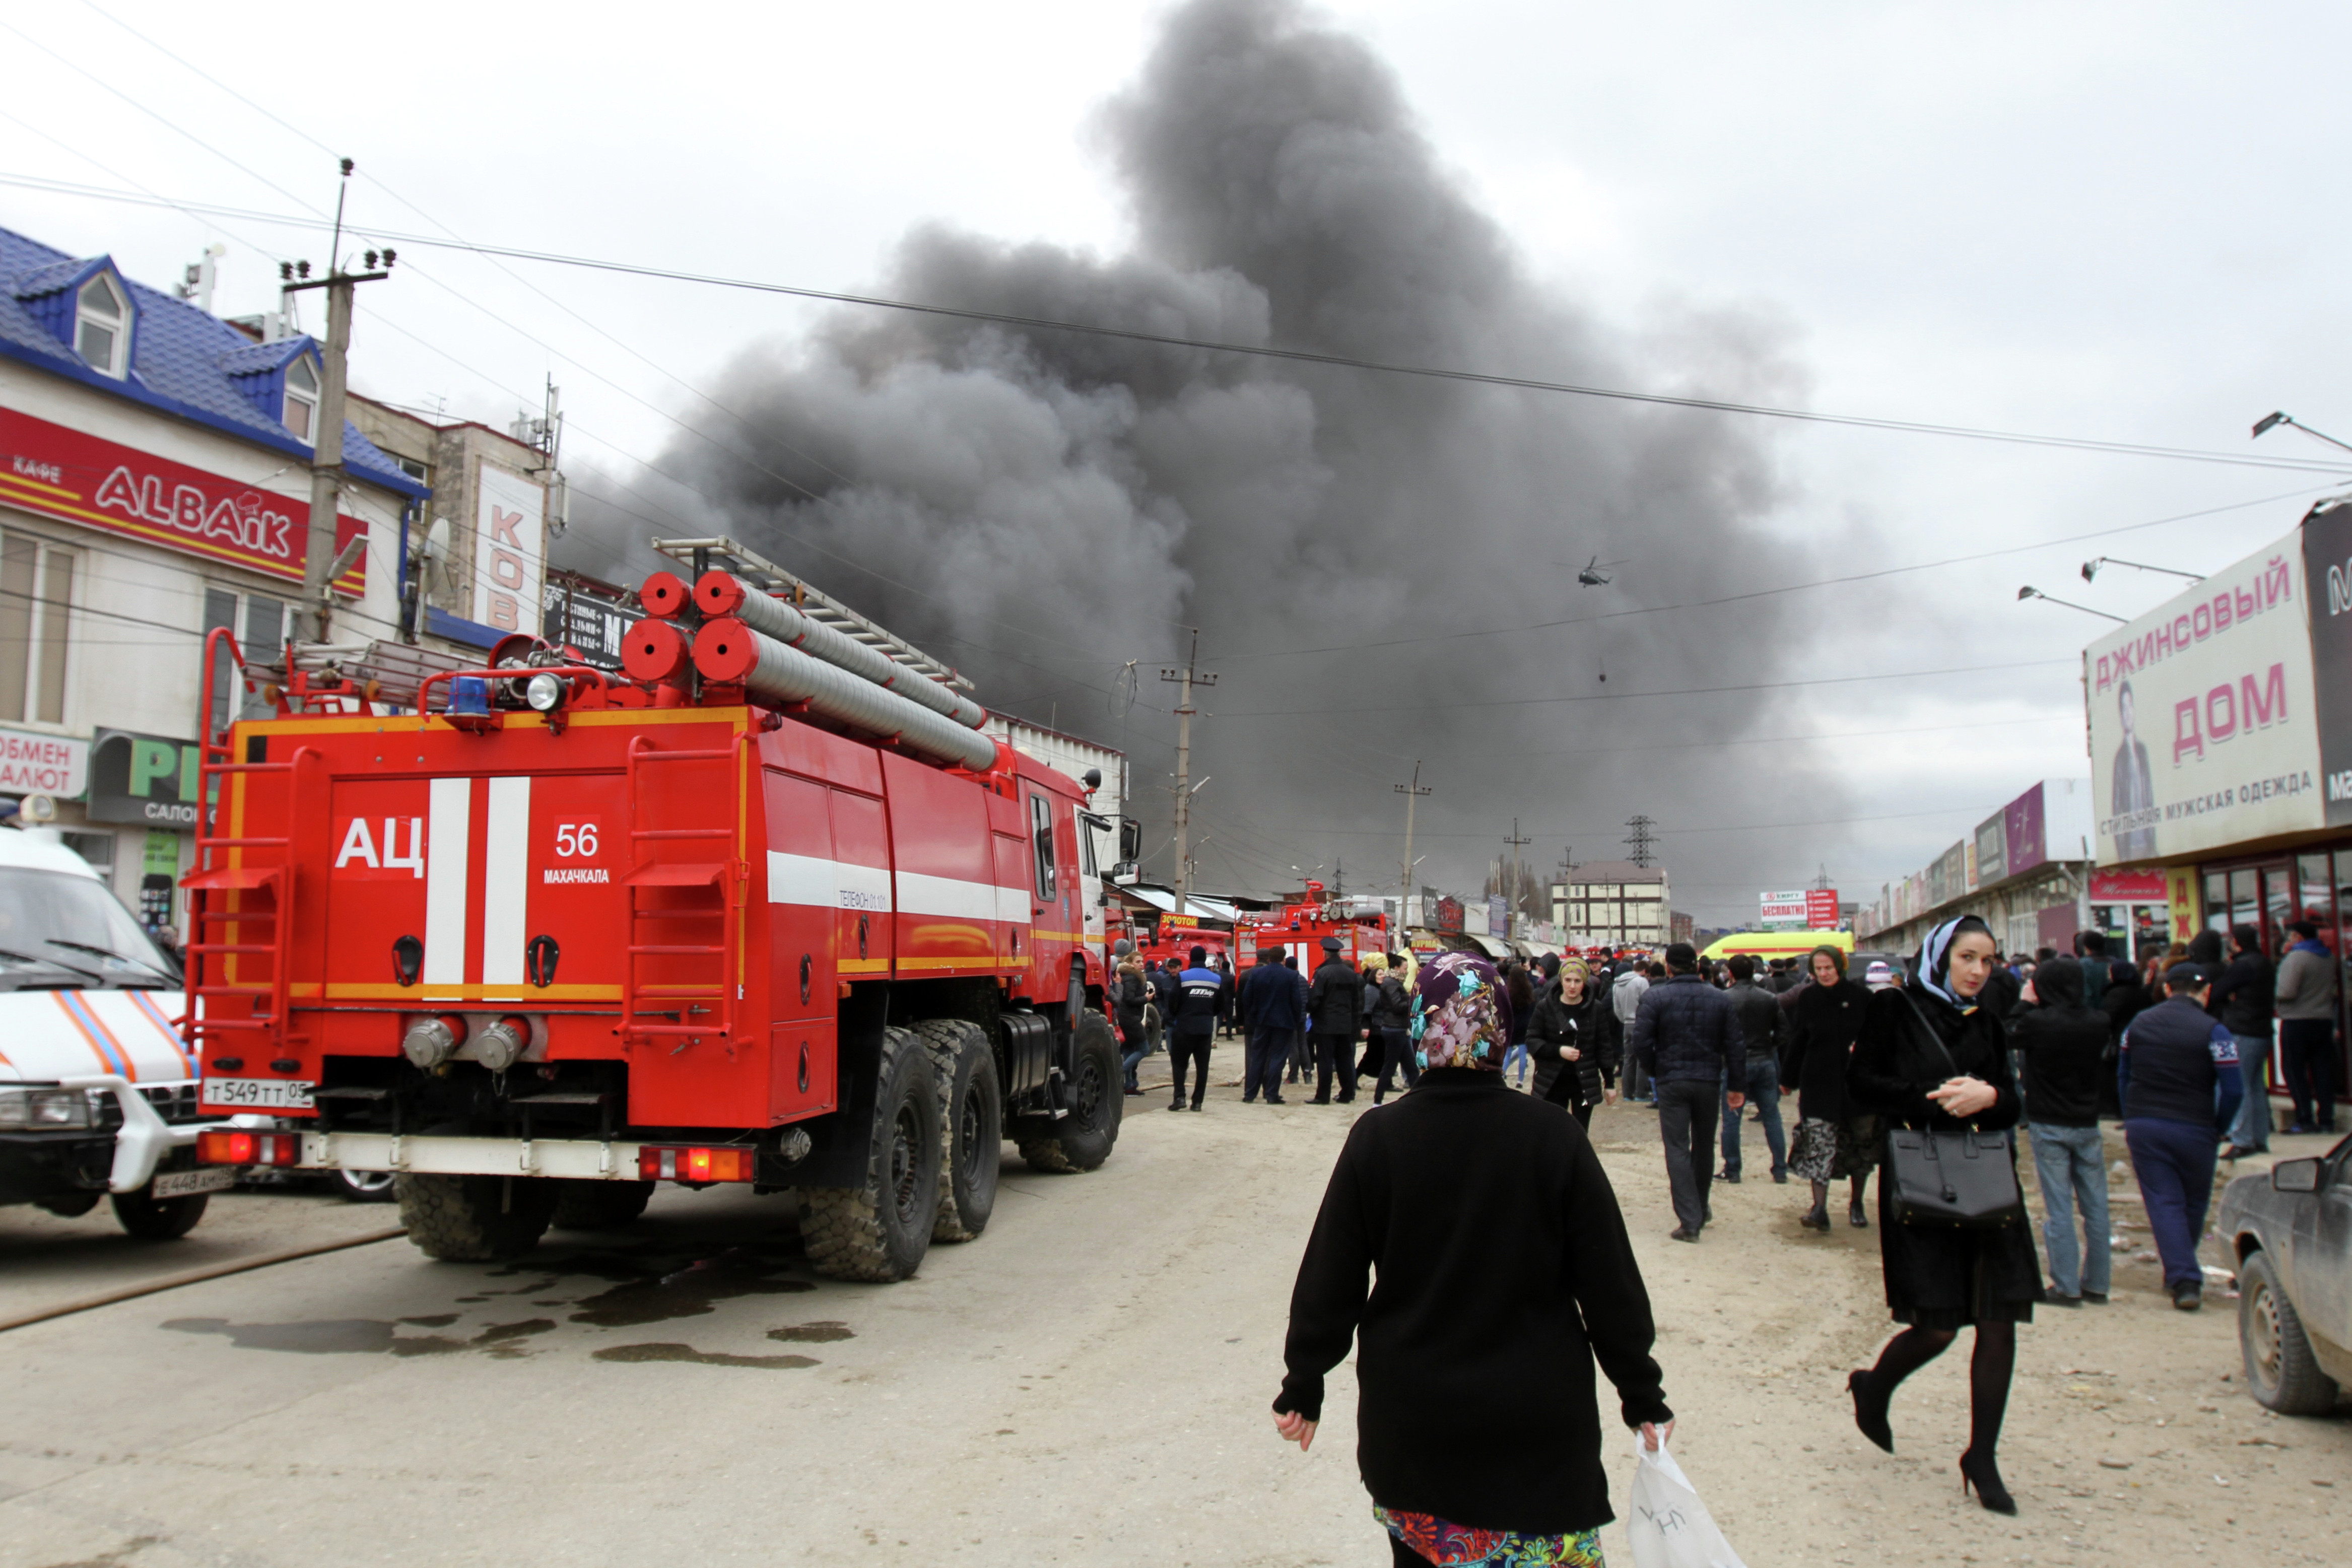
[
  {"x": 1308, "y": 917},
  {"x": 768, "y": 910}
]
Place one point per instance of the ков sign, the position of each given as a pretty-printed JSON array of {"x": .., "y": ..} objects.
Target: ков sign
[{"x": 64, "y": 474}]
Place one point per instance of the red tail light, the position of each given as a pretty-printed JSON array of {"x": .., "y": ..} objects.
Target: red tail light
[
  {"x": 232, "y": 1148},
  {"x": 695, "y": 1164}
]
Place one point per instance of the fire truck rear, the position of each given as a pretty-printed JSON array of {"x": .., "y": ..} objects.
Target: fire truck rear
[{"x": 770, "y": 910}]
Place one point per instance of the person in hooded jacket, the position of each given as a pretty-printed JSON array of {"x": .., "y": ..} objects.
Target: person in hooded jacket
[
  {"x": 2063, "y": 1043},
  {"x": 1577, "y": 1043},
  {"x": 2306, "y": 997},
  {"x": 1834, "y": 1138}
]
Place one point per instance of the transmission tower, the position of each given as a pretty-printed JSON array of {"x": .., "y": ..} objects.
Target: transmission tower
[{"x": 1640, "y": 839}]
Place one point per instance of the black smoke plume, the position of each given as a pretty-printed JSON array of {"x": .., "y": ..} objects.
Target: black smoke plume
[{"x": 1043, "y": 507}]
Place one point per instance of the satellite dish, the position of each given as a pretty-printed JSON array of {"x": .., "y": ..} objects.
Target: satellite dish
[{"x": 436, "y": 540}]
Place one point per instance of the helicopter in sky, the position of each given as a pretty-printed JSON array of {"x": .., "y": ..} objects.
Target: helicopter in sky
[{"x": 1594, "y": 574}]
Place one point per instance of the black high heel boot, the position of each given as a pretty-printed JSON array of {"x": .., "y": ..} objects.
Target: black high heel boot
[
  {"x": 1982, "y": 1475},
  {"x": 1870, "y": 1409}
]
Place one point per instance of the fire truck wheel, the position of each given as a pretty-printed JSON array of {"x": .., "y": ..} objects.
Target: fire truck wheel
[
  {"x": 474, "y": 1219},
  {"x": 153, "y": 1218},
  {"x": 880, "y": 1229},
  {"x": 600, "y": 1205},
  {"x": 972, "y": 1126},
  {"x": 1083, "y": 1139}
]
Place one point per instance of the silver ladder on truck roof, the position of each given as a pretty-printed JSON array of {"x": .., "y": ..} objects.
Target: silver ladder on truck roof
[{"x": 700, "y": 555}]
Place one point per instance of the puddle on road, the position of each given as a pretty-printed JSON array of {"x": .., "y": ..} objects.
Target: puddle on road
[
  {"x": 363, "y": 1336},
  {"x": 630, "y": 1353},
  {"x": 434, "y": 1319},
  {"x": 688, "y": 1291},
  {"x": 822, "y": 1332}
]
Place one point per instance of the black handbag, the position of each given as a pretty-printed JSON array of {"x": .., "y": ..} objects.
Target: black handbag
[{"x": 1960, "y": 1181}]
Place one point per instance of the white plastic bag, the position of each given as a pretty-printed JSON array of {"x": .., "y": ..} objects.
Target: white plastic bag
[{"x": 1669, "y": 1526}]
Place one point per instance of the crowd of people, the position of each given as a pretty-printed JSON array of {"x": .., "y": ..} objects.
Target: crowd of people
[{"x": 1960, "y": 1041}]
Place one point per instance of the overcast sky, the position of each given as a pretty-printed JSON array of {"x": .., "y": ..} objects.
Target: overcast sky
[{"x": 2107, "y": 220}]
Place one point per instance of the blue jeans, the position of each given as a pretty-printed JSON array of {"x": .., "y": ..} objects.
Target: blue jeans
[
  {"x": 2068, "y": 1164},
  {"x": 2174, "y": 1163},
  {"x": 1132, "y": 1059},
  {"x": 1517, "y": 1054},
  {"x": 1762, "y": 1088},
  {"x": 2252, "y": 1130}
]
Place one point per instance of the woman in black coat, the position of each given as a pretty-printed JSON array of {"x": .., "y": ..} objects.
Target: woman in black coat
[
  {"x": 1832, "y": 1140},
  {"x": 1577, "y": 1042},
  {"x": 1500, "y": 1272},
  {"x": 1940, "y": 1279}
]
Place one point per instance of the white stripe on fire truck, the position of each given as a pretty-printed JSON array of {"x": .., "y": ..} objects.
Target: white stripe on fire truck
[
  {"x": 823, "y": 883},
  {"x": 506, "y": 881},
  {"x": 447, "y": 833}
]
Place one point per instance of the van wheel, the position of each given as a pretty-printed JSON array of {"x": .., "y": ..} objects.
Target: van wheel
[
  {"x": 153, "y": 1218},
  {"x": 880, "y": 1229},
  {"x": 2280, "y": 1372},
  {"x": 972, "y": 1126},
  {"x": 1082, "y": 1140},
  {"x": 474, "y": 1219}
]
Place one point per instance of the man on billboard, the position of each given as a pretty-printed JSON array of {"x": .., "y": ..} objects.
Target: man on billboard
[{"x": 2132, "y": 788}]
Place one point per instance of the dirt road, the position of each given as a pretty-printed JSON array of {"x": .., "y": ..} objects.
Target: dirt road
[{"x": 1087, "y": 1384}]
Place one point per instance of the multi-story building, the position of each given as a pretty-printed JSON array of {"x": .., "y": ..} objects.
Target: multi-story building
[
  {"x": 154, "y": 485},
  {"x": 1614, "y": 903}
]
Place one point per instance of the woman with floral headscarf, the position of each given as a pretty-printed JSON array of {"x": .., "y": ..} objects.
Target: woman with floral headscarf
[
  {"x": 1939, "y": 1281},
  {"x": 1501, "y": 1270}
]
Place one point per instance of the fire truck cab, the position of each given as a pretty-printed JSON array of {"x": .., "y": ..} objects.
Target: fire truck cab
[
  {"x": 1308, "y": 916},
  {"x": 558, "y": 936}
]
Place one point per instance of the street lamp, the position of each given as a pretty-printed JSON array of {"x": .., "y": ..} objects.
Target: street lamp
[
  {"x": 2091, "y": 568},
  {"x": 2273, "y": 421},
  {"x": 2031, "y": 592}
]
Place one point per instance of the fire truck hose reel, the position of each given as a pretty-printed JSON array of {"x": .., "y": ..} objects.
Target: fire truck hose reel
[
  {"x": 432, "y": 1041},
  {"x": 730, "y": 650},
  {"x": 663, "y": 594},
  {"x": 720, "y": 593},
  {"x": 654, "y": 651}
]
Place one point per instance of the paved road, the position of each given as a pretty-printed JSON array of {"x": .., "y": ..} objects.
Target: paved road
[{"x": 1086, "y": 1383}]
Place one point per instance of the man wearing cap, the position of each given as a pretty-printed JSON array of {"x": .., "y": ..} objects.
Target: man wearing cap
[
  {"x": 1192, "y": 1029},
  {"x": 1686, "y": 1036},
  {"x": 1273, "y": 1013},
  {"x": 2178, "y": 1070},
  {"x": 1334, "y": 1005}
]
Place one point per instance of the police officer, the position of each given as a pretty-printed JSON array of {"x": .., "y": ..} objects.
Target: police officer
[
  {"x": 1200, "y": 996},
  {"x": 1335, "y": 1008}
]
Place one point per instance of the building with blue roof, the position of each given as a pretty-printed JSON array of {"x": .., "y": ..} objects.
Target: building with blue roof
[{"x": 155, "y": 476}]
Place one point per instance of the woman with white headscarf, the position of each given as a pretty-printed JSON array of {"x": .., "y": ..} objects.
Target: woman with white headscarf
[{"x": 1939, "y": 1280}]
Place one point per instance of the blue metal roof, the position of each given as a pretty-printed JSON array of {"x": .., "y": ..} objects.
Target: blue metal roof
[{"x": 183, "y": 362}]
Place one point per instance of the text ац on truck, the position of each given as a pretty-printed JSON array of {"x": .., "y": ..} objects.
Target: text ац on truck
[{"x": 766, "y": 907}]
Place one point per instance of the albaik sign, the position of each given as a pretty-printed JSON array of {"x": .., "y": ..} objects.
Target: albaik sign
[{"x": 76, "y": 479}]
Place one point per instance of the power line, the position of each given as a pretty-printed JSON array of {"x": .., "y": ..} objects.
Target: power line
[{"x": 1256, "y": 350}]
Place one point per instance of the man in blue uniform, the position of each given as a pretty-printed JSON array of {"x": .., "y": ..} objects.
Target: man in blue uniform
[
  {"x": 1200, "y": 991},
  {"x": 2178, "y": 1070}
]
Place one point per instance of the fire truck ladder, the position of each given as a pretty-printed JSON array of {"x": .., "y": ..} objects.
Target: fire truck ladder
[
  {"x": 727, "y": 878},
  {"x": 263, "y": 932}
]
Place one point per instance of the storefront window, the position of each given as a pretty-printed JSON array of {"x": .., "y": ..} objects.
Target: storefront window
[
  {"x": 2245, "y": 902},
  {"x": 2217, "y": 903}
]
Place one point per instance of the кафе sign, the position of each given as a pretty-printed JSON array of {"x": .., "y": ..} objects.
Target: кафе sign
[
  {"x": 2216, "y": 719},
  {"x": 64, "y": 474}
]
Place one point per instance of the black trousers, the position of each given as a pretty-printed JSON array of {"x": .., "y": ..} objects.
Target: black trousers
[
  {"x": 1268, "y": 1050},
  {"x": 1687, "y": 1108},
  {"x": 1193, "y": 1048},
  {"x": 1335, "y": 1057},
  {"x": 1396, "y": 1054},
  {"x": 2307, "y": 1051},
  {"x": 1302, "y": 1055}
]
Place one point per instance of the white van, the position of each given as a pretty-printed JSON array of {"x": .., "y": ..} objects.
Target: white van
[{"x": 97, "y": 1092}]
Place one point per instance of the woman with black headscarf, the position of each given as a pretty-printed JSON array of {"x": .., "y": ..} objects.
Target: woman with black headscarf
[
  {"x": 1501, "y": 1272},
  {"x": 1940, "y": 1280},
  {"x": 1832, "y": 1139}
]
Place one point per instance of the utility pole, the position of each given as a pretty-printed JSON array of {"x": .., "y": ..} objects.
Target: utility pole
[
  {"x": 1519, "y": 867},
  {"x": 320, "y": 563},
  {"x": 1412, "y": 792},
  {"x": 1640, "y": 839},
  {"x": 1188, "y": 678}
]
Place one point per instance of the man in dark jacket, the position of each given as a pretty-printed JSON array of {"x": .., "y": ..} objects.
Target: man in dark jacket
[
  {"x": 1335, "y": 1004},
  {"x": 1191, "y": 1028},
  {"x": 1686, "y": 1036},
  {"x": 2063, "y": 1045},
  {"x": 2244, "y": 996},
  {"x": 1273, "y": 1016},
  {"x": 2179, "y": 1073},
  {"x": 1762, "y": 1029}
]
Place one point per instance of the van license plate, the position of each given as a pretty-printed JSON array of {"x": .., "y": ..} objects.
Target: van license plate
[
  {"x": 187, "y": 1184},
  {"x": 259, "y": 1093}
]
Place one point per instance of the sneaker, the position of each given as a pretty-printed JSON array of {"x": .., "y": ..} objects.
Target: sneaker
[
  {"x": 2058, "y": 1298},
  {"x": 1730, "y": 1175},
  {"x": 1135, "y": 1093},
  {"x": 2187, "y": 1296},
  {"x": 2096, "y": 1298}
]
